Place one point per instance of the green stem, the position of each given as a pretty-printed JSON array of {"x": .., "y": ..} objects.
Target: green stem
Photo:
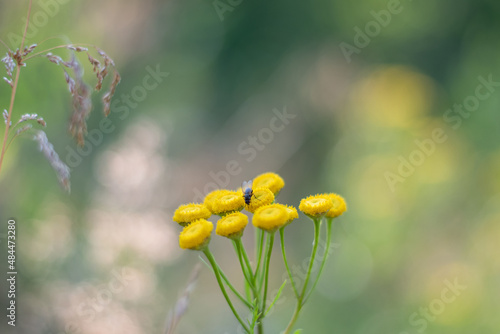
[
  {"x": 300, "y": 303},
  {"x": 226, "y": 280},
  {"x": 293, "y": 320},
  {"x": 251, "y": 281},
  {"x": 248, "y": 293},
  {"x": 247, "y": 273},
  {"x": 260, "y": 245},
  {"x": 325, "y": 255},
  {"x": 245, "y": 256},
  {"x": 266, "y": 272},
  {"x": 313, "y": 257},
  {"x": 215, "y": 267},
  {"x": 282, "y": 239}
]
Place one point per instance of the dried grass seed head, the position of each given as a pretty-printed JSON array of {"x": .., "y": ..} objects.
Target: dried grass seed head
[{"x": 62, "y": 171}]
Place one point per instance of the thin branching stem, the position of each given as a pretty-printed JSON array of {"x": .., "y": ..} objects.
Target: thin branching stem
[
  {"x": 247, "y": 272},
  {"x": 14, "y": 89},
  {"x": 317, "y": 227},
  {"x": 269, "y": 250},
  {"x": 282, "y": 239},
  {"x": 260, "y": 245},
  {"x": 325, "y": 256},
  {"x": 228, "y": 283},
  {"x": 4, "y": 44},
  {"x": 300, "y": 301},
  {"x": 11, "y": 106},
  {"x": 215, "y": 267},
  {"x": 62, "y": 46},
  {"x": 244, "y": 261}
]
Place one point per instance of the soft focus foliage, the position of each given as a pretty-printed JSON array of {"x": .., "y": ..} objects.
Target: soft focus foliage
[{"x": 408, "y": 132}]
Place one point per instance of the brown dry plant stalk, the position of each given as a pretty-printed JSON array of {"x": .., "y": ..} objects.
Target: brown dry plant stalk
[
  {"x": 102, "y": 66},
  {"x": 175, "y": 314}
]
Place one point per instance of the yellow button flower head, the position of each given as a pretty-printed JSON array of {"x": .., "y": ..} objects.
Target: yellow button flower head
[
  {"x": 272, "y": 181},
  {"x": 261, "y": 196},
  {"x": 292, "y": 213},
  {"x": 196, "y": 235},
  {"x": 187, "y": 213},
  {"x": 339, "y": 205},
  {"x": 232, "y": 225},
  {"x": 270, "y": 217},
  {"x": 211, "y": 196},
  {"x": 315, "y": 206},
  {"x": 226, "y": 202}
]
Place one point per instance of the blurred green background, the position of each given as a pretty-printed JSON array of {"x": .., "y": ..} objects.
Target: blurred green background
[{"x": 360, "y": 89}]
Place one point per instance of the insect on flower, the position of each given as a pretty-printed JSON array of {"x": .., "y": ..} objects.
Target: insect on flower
[{"x": 246, "y": 187}]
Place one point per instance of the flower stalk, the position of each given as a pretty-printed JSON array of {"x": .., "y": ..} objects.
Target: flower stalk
[{"x": 215, "y": 268}]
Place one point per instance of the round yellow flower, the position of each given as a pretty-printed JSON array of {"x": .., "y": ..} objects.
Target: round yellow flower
[
  {"x": 272, "y": 181},
  {"x": 227, "y": 201},
  {"x": 339, "y": 205},
  {"x": 187, "y": 213},
  {"x": 196, "y": 235},
  {"x": 315, "y": 206},
  {"x": 261, "y": 196},
  {"x": 292, "y": 213},
  {"x": 232, "y": 225},
  {"x": 270, "y": 217},
  {"x": 211, "y": 196}
]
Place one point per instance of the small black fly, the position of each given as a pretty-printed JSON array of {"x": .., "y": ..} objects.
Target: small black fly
[{"x": 246, "y": 187}]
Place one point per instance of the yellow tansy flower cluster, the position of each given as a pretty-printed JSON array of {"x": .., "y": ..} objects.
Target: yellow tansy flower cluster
[
  {"x": 258, "y": 197},
  {"x": 267, "y": 215}
]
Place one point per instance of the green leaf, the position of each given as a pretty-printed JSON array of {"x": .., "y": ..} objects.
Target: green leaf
[
  {"x": 275, "y": 298},
  {"x": 298, "y": 331},
  {"x": 256, "y": 315}
]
